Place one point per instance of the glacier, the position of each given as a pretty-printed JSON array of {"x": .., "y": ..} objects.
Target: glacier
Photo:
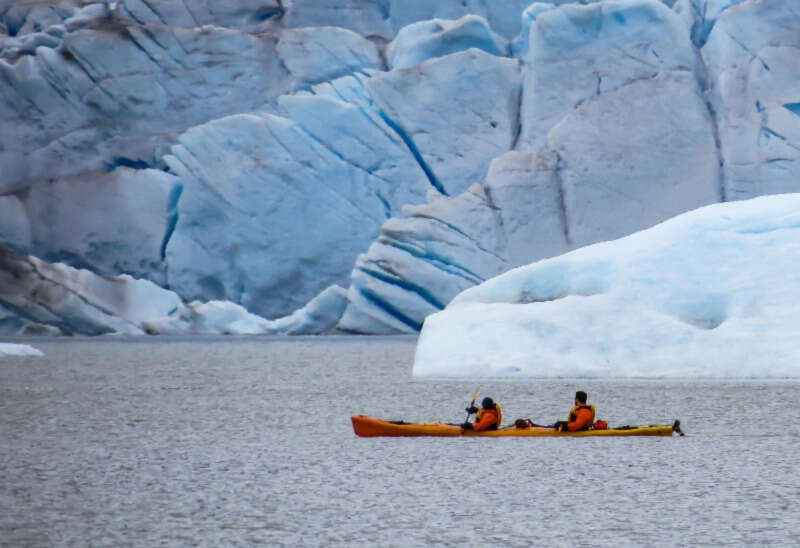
[
  {"x": 709, "y": 293},
  {"x": 351, "y": 166}
]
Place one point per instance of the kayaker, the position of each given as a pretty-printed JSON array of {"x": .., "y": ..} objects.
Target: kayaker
[
  {"x": 581, "y": 416},
  {"x": 488, "y": 417}
]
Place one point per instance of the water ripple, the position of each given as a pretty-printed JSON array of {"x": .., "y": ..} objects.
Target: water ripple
[{"x": 241, "y": 442}]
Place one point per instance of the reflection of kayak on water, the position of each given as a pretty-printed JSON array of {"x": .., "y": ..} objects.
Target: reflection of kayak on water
[{"x": 372, "y": 427}]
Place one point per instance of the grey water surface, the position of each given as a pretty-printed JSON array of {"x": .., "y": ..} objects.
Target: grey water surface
[{"x": 248, "y": 441}]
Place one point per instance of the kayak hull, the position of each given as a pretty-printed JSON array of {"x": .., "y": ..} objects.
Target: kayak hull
[{"x": 370, "y": 427}]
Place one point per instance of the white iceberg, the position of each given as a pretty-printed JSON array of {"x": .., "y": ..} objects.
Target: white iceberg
[
  {"x": 711, "y": 293},
  {"x": 10, "y": 349}
]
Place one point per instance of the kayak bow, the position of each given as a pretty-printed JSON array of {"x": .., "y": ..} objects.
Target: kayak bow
[{"x": 370, "y": 427}]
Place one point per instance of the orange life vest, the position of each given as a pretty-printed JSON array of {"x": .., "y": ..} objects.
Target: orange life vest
[
  {"x": 573, "y": 415},
  {"x": 490, "y": 421}
]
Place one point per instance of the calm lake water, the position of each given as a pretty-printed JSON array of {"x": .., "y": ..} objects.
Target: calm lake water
[{"x": 242, "y": 442}]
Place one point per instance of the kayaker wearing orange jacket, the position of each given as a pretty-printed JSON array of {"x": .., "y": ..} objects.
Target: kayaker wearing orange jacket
[
  {"x": 581, "y": 416},
  {"x": 488, "y": 417}
]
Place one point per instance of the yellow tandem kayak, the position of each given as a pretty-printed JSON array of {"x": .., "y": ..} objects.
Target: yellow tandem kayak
[{"x": 371, "y": 427}]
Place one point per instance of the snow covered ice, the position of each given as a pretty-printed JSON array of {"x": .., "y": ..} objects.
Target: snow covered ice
[{"x": 710, "y": 293}]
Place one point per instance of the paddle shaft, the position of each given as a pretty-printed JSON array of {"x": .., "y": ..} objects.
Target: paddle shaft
[{"x": 474, "y": 397}]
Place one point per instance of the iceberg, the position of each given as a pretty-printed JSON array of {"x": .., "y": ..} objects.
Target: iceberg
[
  {"x": 10, "y": 349},
  {"x": 710, "y": 293}
]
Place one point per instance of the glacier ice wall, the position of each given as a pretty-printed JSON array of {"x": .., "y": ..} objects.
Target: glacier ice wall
[{"x": 266, "y": 152}]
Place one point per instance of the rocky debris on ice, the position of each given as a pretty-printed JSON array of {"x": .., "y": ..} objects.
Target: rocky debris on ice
[
  {"x": 55, "y": 299},
  {"x": 77, "y": 300}
]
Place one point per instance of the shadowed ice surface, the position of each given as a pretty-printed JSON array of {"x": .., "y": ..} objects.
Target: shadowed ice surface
[{"x": 210, "y": 442}]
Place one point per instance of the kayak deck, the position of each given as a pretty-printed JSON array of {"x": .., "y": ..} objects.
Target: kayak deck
[{"x": 369, "y": 427}]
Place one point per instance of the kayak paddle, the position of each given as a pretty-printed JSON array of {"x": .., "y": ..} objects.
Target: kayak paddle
[{"x": 474, "y": 397}]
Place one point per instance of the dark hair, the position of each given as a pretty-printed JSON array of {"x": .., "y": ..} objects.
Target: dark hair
[
  {"x": 487, "y": 403},
  {"x": 581, "y": 396}
]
